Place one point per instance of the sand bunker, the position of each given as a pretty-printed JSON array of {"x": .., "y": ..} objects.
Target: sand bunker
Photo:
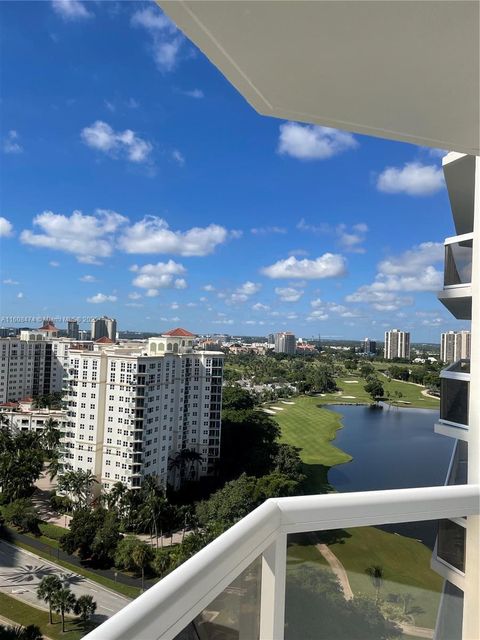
[
  {"x": 286, "y": 402},
  {"x": 350, "y": 381},
  {"x": 272, "y": 413},
  {"x": 279, "y": 408},
  {"x": 349, "y": 397}
]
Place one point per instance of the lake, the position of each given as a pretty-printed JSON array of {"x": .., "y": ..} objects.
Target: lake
[{"x": 392, "y": 448}]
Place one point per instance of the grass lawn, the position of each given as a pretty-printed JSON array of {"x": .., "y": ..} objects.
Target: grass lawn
[
  {"x": 24, "y": 614},
  {"x": 353, "y": 386},
  {"x": 406, "y": 565}
]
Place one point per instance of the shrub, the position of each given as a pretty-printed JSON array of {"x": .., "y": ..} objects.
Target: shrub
[{"x": 21, "y": 514}]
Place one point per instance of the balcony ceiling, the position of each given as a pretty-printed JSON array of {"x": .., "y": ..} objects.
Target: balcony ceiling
[{"x": 396, "y": 69}]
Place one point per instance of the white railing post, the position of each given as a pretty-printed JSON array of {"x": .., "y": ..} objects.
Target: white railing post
[{"x": 272, "y": 599}]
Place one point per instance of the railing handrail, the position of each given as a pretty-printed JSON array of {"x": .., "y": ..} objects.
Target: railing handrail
[
  {"x": 170, "y": 605},
  {"x": 460, "y": 238}
]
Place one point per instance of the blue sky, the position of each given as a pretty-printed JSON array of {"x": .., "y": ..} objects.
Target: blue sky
[{"x": 137, "y": 183}]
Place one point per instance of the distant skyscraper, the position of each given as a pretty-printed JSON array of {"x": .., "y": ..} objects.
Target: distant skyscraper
[
  {"x": 455, "y": 345},
  {"x": 73, "y": 330},
  {"x": 104, "y": 328},
  {"x": 397, "y": 344},
  {"x": 285, "y": 342},
  {"x": 369, "y": 347}
]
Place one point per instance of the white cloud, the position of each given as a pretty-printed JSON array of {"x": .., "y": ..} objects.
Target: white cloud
[
  {"x": 249, "y": 288},
  {"x": 110, "y": 106},
  {"x": 412, "y": 271},
  {"x": 11, "y": 144},
  {"x": 101, "y": 297},
  {"x": 327, "y": 266},
  {"x": 208, "y": 287},
  {"x": 352, "y": 239},
  {"x": 133, "y": 304},
  {"x": 288, "y": 294},
  {"x": 87, "y": 237},
  {"x": 224, "y": 321},
  {"x": 194, "y": 93},
  {"x": 102, "y": 137},
  {"x": 6, "y": 228},
  {"x": 153, "y": 235},
  {"x": 260, "y": 231},
  {"x": 260, "y": 307},
  {"x": 87, "y": 279},
  {"x": 70, "y": 10},
  {"x": 134, "y": 296},
  {"x": 414, "y": 179},
  {"x": 132, "y": 103},
  {"x": 54, "y": 264},
  {"x": 178, "y": 157},
  {"x": 159, "y": 276},
  {"x": 166, "y": 41},
  {"x": 242, "y": 293},
  {"x": 317, "y": 314},
  {"x": 316, "y": 303},
  {"x": 10, "y": 281},
  {"x": 152, "y": 293},
  {"x": 19, "y": 294},
  {"x": 311, "y": 142},
  {"x": 413, "y": 260}
]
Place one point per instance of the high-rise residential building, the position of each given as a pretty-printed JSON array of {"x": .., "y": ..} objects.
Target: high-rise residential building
[
  {"x": 455, "y": 345},
  {"x": 285, "y": 342},
  {"x": 131, "y": 410},
  {"x": 397, "y": 344},
  {"x": 369, "y": 347},
  {"x": 104, "y": 328},
  {"x": 33, "y": 364},
  {"x": 73, "y": 330}
]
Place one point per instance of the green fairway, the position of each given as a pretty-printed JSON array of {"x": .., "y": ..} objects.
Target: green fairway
[
  {"x": 405, "y": 562},
  {"x": 24, "y": 614},
  {"x": 311, "y": 427},
  {"x": 352, "y": 392}
]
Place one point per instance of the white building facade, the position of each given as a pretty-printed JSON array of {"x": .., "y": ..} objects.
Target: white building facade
[{"x": 131, "y": 410}]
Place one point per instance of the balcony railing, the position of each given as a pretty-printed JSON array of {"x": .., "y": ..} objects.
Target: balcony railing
[
  {"x": 458, "y": 260},
  {"x": 454, "y": 402},
  {"x": 253, "y": 554}
]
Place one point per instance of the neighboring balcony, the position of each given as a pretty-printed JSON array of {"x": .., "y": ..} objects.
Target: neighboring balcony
[
  {"x": 260, "y": 581},
  {"x": 457, "y": 291},
  {"x": 454, "y": 400}
]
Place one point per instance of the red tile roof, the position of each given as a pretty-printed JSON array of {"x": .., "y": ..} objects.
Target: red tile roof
[
  {"x": 8, "y": 404},
  {"x": 104, "y": 340},
  {"x": 48, "y": 326},
  {"x": 179, "y": 333}
]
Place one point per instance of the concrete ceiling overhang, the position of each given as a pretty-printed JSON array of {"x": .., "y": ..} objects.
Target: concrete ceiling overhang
[{"x": 399, "y": 69}]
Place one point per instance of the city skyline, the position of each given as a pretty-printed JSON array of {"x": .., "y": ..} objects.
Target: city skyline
[{"x": 141, "y": 213}]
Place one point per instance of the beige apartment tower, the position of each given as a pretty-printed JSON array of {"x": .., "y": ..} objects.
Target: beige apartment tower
[
  {"x": 397, "y": 344},
  {"x": 454, "y": 345}
]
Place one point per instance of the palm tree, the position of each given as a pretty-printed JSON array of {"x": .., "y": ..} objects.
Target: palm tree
[
  {"x": 194, "y": 458},
  {"x": 30, "y": 632},
  {"x": 64, "y": 602},
  {"x": 376, "y": 574},
  {"x": 141, "y": 556},
  {"x": 85, "y": 607},
  {"x": 79, "y": 484},
  {"x": 47, "y": 590}
]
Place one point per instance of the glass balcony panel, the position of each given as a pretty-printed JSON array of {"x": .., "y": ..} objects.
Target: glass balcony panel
[
  {"x": 458, "y": 263},
  {"x": 459, "y": 468},
  {"x": 449, "y": 624},
  {"x": 454, "y": 401},
  {"x": 362, "y": 583},
  {"x": 234, "y": 614},
  {"x": 460, "y": 366},
  {"x": 451, "y": 544}
]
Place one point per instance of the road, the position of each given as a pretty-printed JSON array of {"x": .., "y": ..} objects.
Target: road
[{"x": 21, "y": 571}]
